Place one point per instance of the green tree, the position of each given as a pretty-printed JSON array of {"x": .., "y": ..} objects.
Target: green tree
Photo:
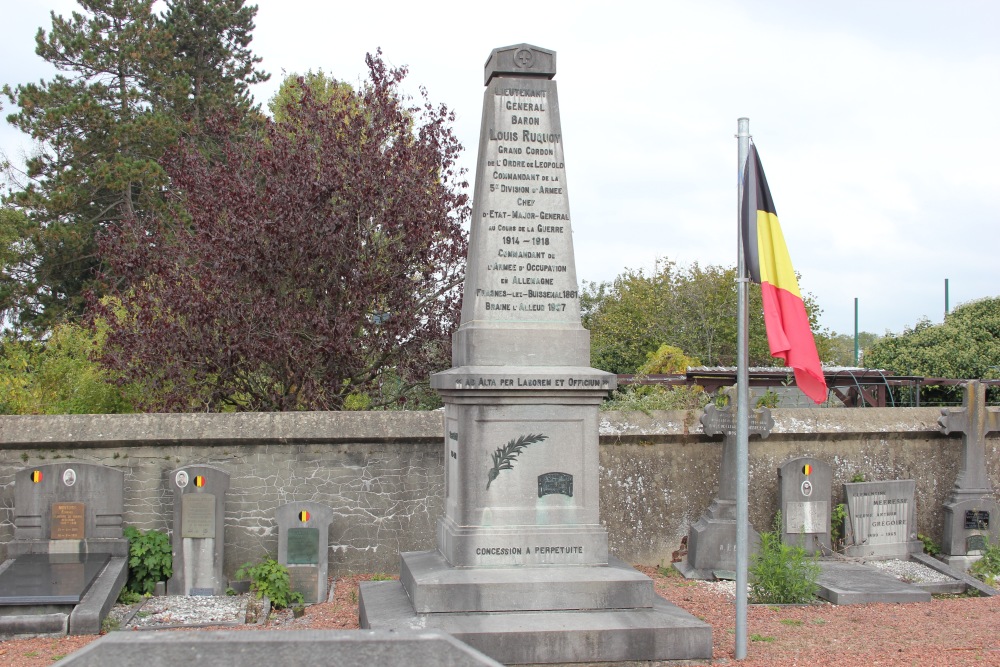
[
  {"x": 213, "y": 63},
  {"x": 97, "y": 143},
  {"x": 322, "y": 88},
  {"x": 129, "y": 84},
  {"x": 965, "y": 346},
  {"x": 840, "y": 348},
  {"x": 58, "y": 375},
  {"x": 692, "y": 308}
]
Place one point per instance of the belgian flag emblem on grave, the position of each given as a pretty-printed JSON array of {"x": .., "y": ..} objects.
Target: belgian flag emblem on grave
[
  {"x": 789, "y": 335},
  {"x": 807, "y": 470},
  {"x": 199, "y": 481},
  {"x": 304, "y": 516},
  {"x": 36, "y": 476}
]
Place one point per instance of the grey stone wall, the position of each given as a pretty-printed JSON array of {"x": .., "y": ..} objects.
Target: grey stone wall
[{"x": 381, "y": 472}]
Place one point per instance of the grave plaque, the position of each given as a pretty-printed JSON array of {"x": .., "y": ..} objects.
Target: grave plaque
[
  {"x": 881, "y": 519},
  {"x": 712, "y": 539},
  {"x": 198, "y": 515},
  {"x": 68, "y": 521},
  {"x": 972, "y": 496},
  {"x": 303, "y": 547},
  {"x": 805, "y": 487}
]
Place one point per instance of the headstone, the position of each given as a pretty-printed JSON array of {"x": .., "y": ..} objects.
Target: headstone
[
  {"x": 302, "y": 648},
  {"x": 521, "y": 530},
  {"x": 712, "y": 539},
  {"x": 68, "y": 558},
  {"x": 970, "y": 514},
  {"x": 881, "y": 519},
  {"x": 303, "y": 539},
  {"x": 198, "y": 534},
  {"x": 805, "y": 487}
]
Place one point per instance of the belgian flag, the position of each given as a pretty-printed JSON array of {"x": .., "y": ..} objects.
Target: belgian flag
[{"x": 788, "y": 332}]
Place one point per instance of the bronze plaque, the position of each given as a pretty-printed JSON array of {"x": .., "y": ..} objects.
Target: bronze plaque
[
  {"x": 198, "y": 515},
  {"x": 303, "y": 546},
  {"x": 68, "y": 521},
  {"x": 304, "y": 579}
]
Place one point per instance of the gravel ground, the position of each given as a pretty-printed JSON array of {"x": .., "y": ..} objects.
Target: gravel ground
[{"x": 946, "y": 631}]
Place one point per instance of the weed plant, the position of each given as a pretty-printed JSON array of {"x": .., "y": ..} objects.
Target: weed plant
[
  {"x": 645, "y": 399},
  {"x": 782, "y": 573},
  {"x": 150, "y": 559},
  {"x": 987, "y": 568},
  {"x": 270, "y": 578}
]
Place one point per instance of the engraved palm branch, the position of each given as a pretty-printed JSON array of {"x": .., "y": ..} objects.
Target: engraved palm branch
[{"x": 504, "y": 457}]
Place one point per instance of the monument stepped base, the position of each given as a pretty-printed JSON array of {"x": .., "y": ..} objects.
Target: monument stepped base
[{"x": 537, "y": 615}]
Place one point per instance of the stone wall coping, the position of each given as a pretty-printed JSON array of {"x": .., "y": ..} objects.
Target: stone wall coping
[
  {"x": 221, "y": 428},
  {"x": 787, "y": 421},
  {"x": 410, "y": 426}
]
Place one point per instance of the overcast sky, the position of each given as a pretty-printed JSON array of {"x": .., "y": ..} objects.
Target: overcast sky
[{"x": 878, "y": 125}]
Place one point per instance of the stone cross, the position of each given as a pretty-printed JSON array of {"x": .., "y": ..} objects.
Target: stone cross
[
  {"x": 971, "y": 509},
  {"x": 723, "y": 422},
  {"x": 974, "y": 421},
  {"x": 712, "y": 539}
]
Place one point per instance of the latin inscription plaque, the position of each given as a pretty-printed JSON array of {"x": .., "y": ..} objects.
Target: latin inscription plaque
[
  {"x": 303, "y": 546},
  {"x": 68, "y": 521},
  {"x": 198, "y": 515}
]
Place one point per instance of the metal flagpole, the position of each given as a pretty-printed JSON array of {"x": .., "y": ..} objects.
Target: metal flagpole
[{"x": 742, "y": 408}]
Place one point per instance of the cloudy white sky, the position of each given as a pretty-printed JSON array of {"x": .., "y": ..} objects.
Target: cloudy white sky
[{"x": 877, "y": 122}]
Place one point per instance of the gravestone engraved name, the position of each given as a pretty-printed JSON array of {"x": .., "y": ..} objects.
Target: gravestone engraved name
[
  {"x": 881, "y": 519},
  {"x": 68, "y": 521},
  {"x": 303, "y": 546},
  {"x": 198, "y": 515}
]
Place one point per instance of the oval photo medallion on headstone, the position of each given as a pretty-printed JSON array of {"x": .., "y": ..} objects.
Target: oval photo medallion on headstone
[
  {"x": 807, "y": 488},
  {"x": 181, "y": 478},
  {"x": 69, "y": 477}
]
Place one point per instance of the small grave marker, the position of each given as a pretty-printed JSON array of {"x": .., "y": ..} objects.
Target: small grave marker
[
  {"x": 198, "y": 535},
  {"x": 303, "y": 547},
  {"x": 805, "y": 486}
]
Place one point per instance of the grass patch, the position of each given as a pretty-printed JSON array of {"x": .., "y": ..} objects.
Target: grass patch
[
  {"x": 761, "y": 638},
  {"x": 794, "y": 622}
]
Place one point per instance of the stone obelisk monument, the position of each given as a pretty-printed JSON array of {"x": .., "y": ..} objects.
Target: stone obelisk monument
[{"x": 522, "y": 570}]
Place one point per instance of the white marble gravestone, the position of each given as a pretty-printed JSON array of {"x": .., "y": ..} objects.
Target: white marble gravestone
[
  {"x": 522, "y": 570},
  {"x": 881, "y": 519}
]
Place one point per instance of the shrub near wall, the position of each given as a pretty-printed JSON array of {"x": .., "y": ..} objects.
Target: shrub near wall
[{"x": 381, "y": 472}]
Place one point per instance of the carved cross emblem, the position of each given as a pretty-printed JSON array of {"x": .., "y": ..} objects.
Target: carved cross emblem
[{"x": 523, "y": 58}]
